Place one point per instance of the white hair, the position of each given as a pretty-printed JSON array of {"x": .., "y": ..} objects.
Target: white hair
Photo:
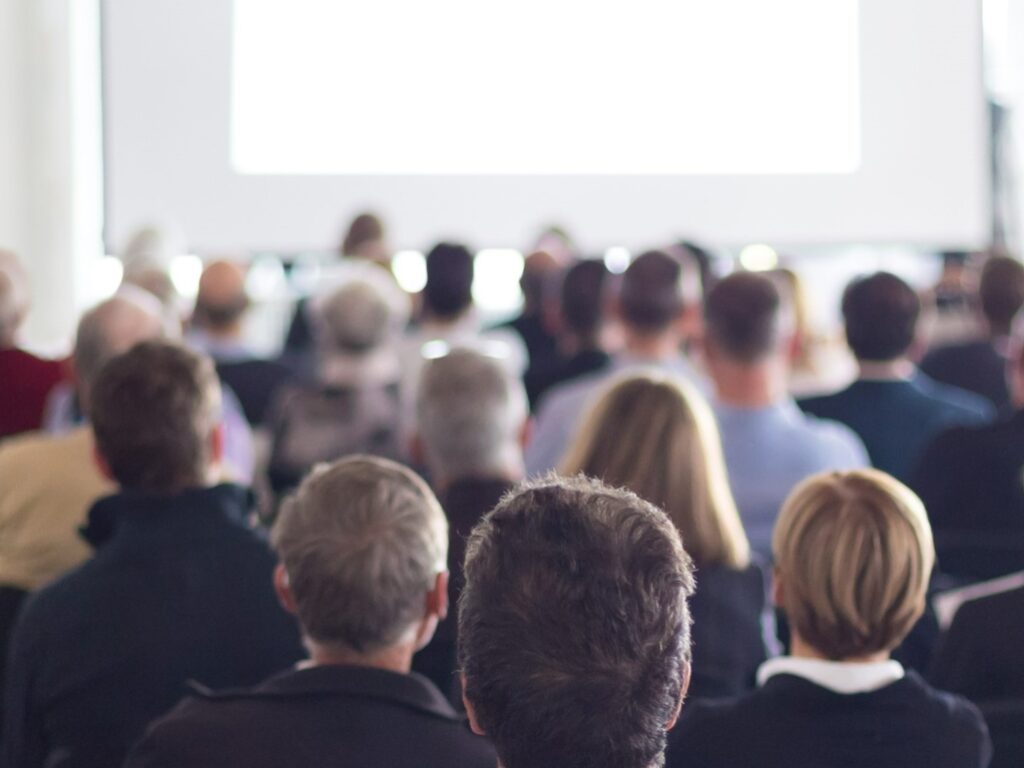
[
  {"x": 470, "y": 412},
  {"x": 113, "y": 327},
  {"x": 14, "y": 295}
]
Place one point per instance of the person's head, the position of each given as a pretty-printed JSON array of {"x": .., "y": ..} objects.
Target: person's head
[
  {"x": 659, "y": 293},
  {"x": 539, "y": 269},
  {"x": 354, "y": 319},
  {"x": 155, "y": 413},
  {"x": 657, "y": 437},
  {"x": 583, "y": 299},
  {"x": 471, "y": 417},
  {"x": 449, "y": 288},
  {"x": 363, "y": 545},
  {"x": 365, "y": 238},
  {"x": 1001, "y": 292},
  {"x": 880, "y": 312},
  {"x": 1015, "y": 362},
  {"x": 221, "y": 301},
  {"x": 109, "y": 329},
  {"x": 574, "y": 630},
  {"x": 745, "y": 322},
  {"x": 14, "y": 297},
  {"x": 853, "y": 555}
]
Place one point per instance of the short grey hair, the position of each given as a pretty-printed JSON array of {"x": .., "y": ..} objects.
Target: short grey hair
[
  {"x": 113, "y": 327},
  {"x": 14, "y": 298},
  {"x": 470, "y": 411},
  {"x": 362, "y": 541},
  {"x": 354, "y": 318}
]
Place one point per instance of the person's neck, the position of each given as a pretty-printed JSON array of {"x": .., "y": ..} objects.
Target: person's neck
[
  {"x": 748, "y": 386},
  {"x": 800, "y": 649},
  {"x": 654, "y": 347},
  {"x": 511, "y": 473},
  {"x": 899, "y": 369},
  {"x": 227, "y": 334},
  {"x": 397, "y": 658}
]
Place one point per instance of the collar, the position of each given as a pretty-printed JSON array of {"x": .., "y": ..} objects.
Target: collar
[
  {"x": 837, "y": 676},
  {"x": 785, "y": 408},
  {"x": 409, "y": 690}
]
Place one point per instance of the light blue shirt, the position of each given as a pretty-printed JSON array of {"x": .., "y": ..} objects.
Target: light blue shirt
[
  {"x": 770, "y": 450},
  {"x": 563, "y": 407}
]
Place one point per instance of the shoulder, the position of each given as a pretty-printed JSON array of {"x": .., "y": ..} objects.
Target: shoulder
[
  {"x": 839, "y": 440},
  {"x": 819, "y": 405},
  {"x": 956, "y": 401}
]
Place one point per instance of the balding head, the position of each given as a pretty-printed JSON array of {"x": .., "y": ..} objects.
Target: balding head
[
  {"x": 111, "y": 328},
  {"x": 14, "y": 298},
  {"x": 221, "y": 300}
]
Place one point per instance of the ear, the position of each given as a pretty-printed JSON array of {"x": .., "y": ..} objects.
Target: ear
[
  {"x": 525, "y": 433},
  {"x": 437, "y": 598},
  {"x": 682, "y": 697},
  {"x": 217, "y": 444},
  {"x": 778, "y": 589},
  {"x": 474, "y": 723},
  {"x": 417, "y": 454},
  {"x": 283, "y": 588},
  {"x": 101, "y": 463}
]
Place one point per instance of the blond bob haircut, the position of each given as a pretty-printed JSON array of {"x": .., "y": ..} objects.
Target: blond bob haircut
[
  {"x": 854, "y": 553},
  {"x": 657, "y": 437}
]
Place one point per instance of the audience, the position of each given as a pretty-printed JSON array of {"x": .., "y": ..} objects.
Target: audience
[
  {"x": 853, "y": 553},
  {"x": 353, "y": 405},
  {"x": 894, "y": 408},
  {"x": 769, "y": 444},
  {"x": 471, "y": 425},
  {"x": 658, "y": 307},
  {"x": 362, "y": 567},
  {"x": 217, "y": 329},
  {"x": 25, "y": 380},
  {"x": 657, "y": 437},
  {"x": 573, "y": 627},
  {"x": 179, "y": 588}
]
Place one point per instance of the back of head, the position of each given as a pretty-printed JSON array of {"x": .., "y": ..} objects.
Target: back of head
[
  {"x": 364, "y": 235},
  {"x": 573, "y": 626},
  {"x": 14, "y": 297},
  {"x": 1001, "y": 292},
  {"x": 362, "y": 541},
  {"x": 880, "y": 312},
  {"x": 355, "y": 319},
  {"x": 854, "y": 553},
  {"x": 582, "y": 297},
  {"x": 470, "y": 412},
  {"x": 154, "y": 409},
  {"x": 743, "y": 318},
  {"x": 656, "y": 289},
  {"x": 449, "y": 288},
  {"x": 221, "y": 300},
  {"x": 538, "y": 270}
]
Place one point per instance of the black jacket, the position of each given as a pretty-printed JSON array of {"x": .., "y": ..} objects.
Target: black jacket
[
  {"x": 317, "y": 718},
  {"x": 793, "y": 723},
  {"x": 179, "y": 589}
]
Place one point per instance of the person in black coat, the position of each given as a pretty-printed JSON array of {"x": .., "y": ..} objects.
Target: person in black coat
[
  {"x": 180, "y": 587},
  {"x": 853, "y": 553},
  {"x": 362, "y": 548},
  {"x": 658, "y": 439}
]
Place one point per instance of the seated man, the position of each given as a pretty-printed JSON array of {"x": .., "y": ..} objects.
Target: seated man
[
  {"x": 895, "y": 409},
  {"x": 853, "y": 553},
  {"x": 362, "y": 548},
  {"x": 769, "y": 444},
  {"x": 179, "y": 588},
  {"x": 574, "y": 636}
]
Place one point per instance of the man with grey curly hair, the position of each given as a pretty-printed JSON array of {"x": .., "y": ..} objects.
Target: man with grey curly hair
[{"x": 362, "y": 547}]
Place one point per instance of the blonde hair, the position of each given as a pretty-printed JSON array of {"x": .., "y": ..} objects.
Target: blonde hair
[
  {"x": 657, "y": 437},
  {"x": 855, "y": 552}
]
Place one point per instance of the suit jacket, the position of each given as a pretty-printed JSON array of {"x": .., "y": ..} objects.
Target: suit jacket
[
  {"x": 319, "y": 717},
  {"x": 975, "y": 366},
  {"x": 897, "y": 419},
  {"x": 793, "y": 723},
  {"x": 179, "y": 589}
]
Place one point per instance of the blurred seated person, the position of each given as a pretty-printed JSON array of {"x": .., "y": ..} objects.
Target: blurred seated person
[
  {"x": 25, "y": 380},
  {"x": 216, "y": 328},
  {"x": 954, "y": 298},
  {"x": 657, "y": 438},
  {"x": 979, "y": 365},
  {"x": 894, "y": 408},
  {"x": 580, "y": 322},
  {"x": 147, "y": 258},
  {"x": 361, "y": 550},
  {"x": 180, "y": 587},
  {"x": 657, "y": 303},
  {"x": 853, "y": 554},
  {"x": 353, "y": 404},
  {"x": 574, "y": 630},
  {"x": 770, "y": 445},
  {"x": 471, "y": 423}
]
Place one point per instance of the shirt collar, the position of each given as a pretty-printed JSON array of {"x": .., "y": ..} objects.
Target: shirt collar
[{"x": 838, "y": 676}]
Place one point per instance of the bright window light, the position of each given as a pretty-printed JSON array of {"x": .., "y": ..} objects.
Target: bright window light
[
  {"x": 265, "y": 278},
  {"x": 410, "y": 270},
  {"x": 185, "y": 273},
  {"x": 107, "y": 276},
  {"x": 617, "y": 259},
  {"x": 496, "y": 273},
  {"x": 759, "y": 258}
]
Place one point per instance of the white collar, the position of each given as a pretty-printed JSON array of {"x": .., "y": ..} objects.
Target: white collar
[{"x": 838, "y": 676}]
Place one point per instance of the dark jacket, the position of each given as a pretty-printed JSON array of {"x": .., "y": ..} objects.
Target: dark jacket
[
  {"x": 793, "y": 723},
  {"x": 975, "y": 366},
  {"x": 318, "y": 717},
  {"x": 179, "y": 589},
  {"x": 897, "y": 419}
]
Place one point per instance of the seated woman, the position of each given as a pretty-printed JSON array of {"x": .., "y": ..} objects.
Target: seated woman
[
  {"x": 657, "y": 437},
  {"x": 853, "y": 553}
]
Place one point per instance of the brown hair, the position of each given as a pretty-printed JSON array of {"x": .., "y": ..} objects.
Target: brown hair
[
  {"x": 365, "y": 229},
  {"x": 1001, "y": 292},
  {"x": 743, "y": 317},
  {"x": 854, "y": 552},
  {"x": 657, "y": 437}
]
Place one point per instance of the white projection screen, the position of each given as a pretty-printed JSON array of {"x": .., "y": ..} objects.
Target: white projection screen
[{"x": 265, "y": 124}]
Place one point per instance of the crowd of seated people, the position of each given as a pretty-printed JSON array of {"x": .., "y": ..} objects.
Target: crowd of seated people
[{"x": 605, "y": 533}]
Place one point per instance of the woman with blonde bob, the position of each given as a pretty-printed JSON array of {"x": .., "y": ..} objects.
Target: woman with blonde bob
[
  {"x": 853, "y": 555},
  {"x": 657, "y": 437}
]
